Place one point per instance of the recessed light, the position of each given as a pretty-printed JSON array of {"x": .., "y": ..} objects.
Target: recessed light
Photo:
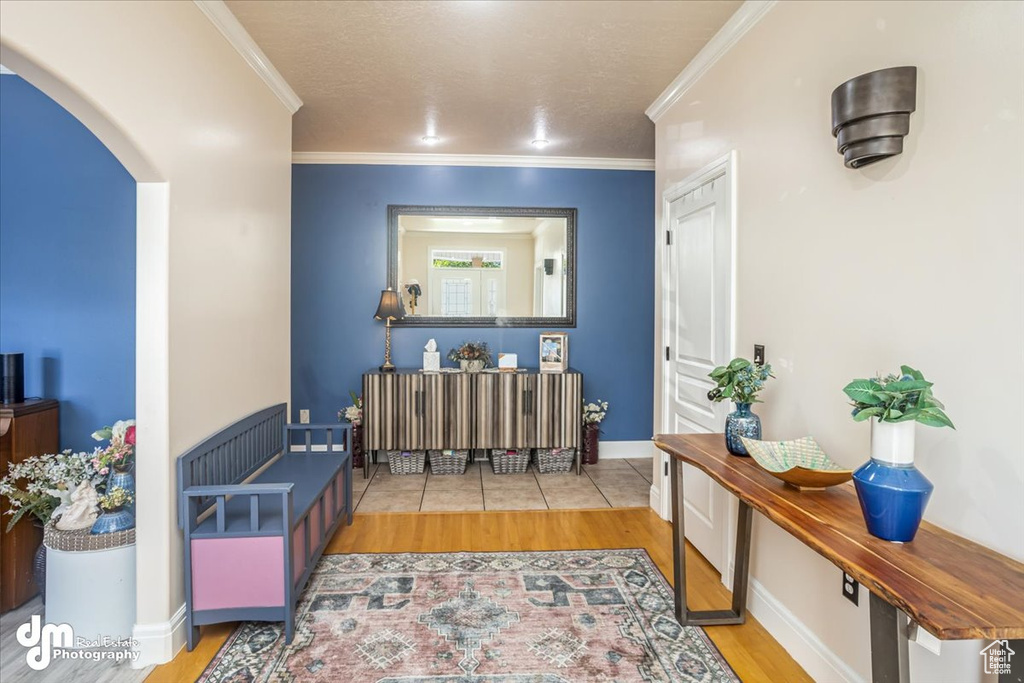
[
  {"x": 431, "y": 139},
  {"x": 540, "y": 143}
]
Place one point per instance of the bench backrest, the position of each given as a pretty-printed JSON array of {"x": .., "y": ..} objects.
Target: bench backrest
[{"x": 232, "y": 455}]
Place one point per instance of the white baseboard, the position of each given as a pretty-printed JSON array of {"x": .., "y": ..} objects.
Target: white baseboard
[
  {"x": 613, "y": 450},
  {"x": 655, "y": 500},
  {"x": 821, "y": 663},
  {"x": 321, "y": 447},
  {"x": 158, "y": 643}
]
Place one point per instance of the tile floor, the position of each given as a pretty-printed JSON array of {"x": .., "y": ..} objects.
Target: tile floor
[{"x": 609, "y": 483}]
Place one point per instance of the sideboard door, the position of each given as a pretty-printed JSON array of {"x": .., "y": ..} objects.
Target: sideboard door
[
  {"x": 559, "y": 406},
  {"x": 380, "y": 411},
  {"x": 453, "y": 428},
  {"x": 412, "y": 412},
  {"x": 504, "y": 407}
]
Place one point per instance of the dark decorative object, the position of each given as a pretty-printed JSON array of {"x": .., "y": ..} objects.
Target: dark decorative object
[
  {"x": 591, "y": 439},
  {"x": 871, "y": 114},
  {"x": 357, "y": 445},
  {"x": 39, "y": 571},
  {"x": 12, "y": 367},
  {"x": 568, "y": 264},
  {"x": 390, "y": 308},
  {"x": 741, "y": 422}
]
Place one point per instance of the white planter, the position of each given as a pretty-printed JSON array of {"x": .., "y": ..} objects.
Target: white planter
[{"x": 892, "y": 443}]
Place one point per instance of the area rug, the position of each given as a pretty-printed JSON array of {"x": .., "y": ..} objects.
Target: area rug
[{"x": 539, "y": 617}]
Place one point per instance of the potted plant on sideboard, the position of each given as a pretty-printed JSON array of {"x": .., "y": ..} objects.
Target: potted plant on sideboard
[{"x": 892, "y": 492}]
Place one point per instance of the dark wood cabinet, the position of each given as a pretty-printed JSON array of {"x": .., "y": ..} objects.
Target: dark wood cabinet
[
  {"x": 411, "y": 410},
  {"x": 26, "y": 429}
]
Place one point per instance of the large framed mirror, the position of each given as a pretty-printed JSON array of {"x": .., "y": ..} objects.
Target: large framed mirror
[{"x": 476, "y": 266}]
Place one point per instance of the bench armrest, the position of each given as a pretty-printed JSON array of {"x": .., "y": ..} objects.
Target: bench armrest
[
  {"x": 222, "y": 491},
  {"x": 236, "y": 490}
]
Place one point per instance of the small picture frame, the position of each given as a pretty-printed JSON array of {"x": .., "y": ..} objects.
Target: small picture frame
[
  {"x": 554, "y": 352},
  {"x": 508, "y": 362}
]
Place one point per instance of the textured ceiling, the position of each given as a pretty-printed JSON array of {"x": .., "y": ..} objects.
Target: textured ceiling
[{"x": 487, "y": 77}]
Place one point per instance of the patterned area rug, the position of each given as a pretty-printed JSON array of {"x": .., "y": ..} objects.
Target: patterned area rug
[{"x": 540, "y": 617}]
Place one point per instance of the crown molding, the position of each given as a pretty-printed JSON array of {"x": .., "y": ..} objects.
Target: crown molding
[
  {"x": 4, "y": 71},
  {"x": 229, "y": 26},
  {"x": 386, "y": 158},
  {"x": 744, "y": 19}
]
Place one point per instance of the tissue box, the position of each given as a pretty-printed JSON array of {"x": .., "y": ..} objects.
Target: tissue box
[{"x": 432, "y": 361}]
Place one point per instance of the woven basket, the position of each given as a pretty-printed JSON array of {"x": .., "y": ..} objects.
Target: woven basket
[
  {"x": 407, "y": 462},
  {"x": 81, "y": 541},
  {"x": 551, "y": 460},
  {"x": 448, "y": 462},
  {"x": 510, "y": 461}
]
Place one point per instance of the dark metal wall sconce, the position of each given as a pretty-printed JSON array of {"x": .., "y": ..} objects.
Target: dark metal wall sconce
[{"x": 871, "y": 114}]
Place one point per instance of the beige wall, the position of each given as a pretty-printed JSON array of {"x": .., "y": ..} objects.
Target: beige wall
[
  {"x": 178, "y": 105},
  {"x": 415, "y": 246},
  {"x": 845, "y": 273}
]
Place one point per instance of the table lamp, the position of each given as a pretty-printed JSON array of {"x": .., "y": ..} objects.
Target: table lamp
[{"x": 389, "y": 308}]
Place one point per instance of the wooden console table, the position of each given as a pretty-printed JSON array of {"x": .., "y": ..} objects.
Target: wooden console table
[
  {"x": 953, "y": 588},
  {"x": 413, "y": 410},
  {"x": 26, "y": 429}
]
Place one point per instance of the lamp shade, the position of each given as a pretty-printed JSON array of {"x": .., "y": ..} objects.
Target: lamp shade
[{"x": 390, "y": 306}]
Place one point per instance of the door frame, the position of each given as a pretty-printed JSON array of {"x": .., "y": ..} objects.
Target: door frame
[{"x": 724, "y": 166}]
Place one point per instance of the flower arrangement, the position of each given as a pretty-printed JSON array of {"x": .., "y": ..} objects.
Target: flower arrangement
[
  {"x": 40, "y": 484},
  {"x": 116, "y": 498},
  {"x": 471, "y": 350},
  {"x": 897, "y": 398},
  {"x": 740, "y": 381},
  {"x": 120, "y": 452},
  {"x": 594, "y": 412},
  {"x": 354, "y": 412}
]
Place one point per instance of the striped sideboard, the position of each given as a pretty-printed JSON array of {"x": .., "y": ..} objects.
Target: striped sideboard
[{"x": 411, "y": 410}]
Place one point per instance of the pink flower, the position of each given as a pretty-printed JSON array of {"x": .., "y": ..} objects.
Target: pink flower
[
  {"x": 104, "y": 470},
  {"x": 129, "y": 436}
]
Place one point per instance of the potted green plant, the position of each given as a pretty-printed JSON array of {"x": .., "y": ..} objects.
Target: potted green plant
[
  {"x": 893, "y": 494},
  {"x": 472, "y": 356},
  {"x": 740, "y": 382}
]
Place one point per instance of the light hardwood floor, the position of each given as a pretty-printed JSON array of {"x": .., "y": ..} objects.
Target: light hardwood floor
[{"x": 754, "y": 654}]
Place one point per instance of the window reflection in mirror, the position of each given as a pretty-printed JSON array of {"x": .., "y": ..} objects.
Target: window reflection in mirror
[{"x": 483, "y": 267}]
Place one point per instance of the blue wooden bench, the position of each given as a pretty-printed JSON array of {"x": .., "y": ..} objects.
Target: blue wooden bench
[{"x": 257, "y": 511}]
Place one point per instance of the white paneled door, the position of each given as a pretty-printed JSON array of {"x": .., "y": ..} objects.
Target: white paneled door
[{"x": 698, "y": 328}]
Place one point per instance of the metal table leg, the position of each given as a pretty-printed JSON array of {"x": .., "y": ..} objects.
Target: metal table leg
[
  {"x": 1016, "y": 672},
  {"x": 741, "y": 562},
  {"x": 890, "y": 655}
]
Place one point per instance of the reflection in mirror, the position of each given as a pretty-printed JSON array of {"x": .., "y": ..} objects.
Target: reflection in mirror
[{"x": 463, "y": 266}]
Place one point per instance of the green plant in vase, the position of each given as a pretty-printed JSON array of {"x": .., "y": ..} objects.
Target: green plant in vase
[
  {"x": 740, "y": 382},
  {"x": 892, "y": 492}
]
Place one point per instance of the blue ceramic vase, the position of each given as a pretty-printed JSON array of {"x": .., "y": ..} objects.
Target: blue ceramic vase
[
  {"x": 892, "y": 492},
  {"x": 113, "y": 520},
  {"x": 741, "y": 422},
  {"x": 126, "y": 481},
  {"x": 892, "y": 498}
]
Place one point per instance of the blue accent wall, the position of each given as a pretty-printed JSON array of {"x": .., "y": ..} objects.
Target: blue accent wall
[
  {"x": 339, "y": 266},
  {"x": 67, "y": 262}
]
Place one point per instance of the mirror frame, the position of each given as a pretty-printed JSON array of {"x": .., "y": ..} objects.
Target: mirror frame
[{"x": 568, "y": 320}]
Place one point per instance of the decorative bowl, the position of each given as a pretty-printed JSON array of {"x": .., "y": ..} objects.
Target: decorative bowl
[{"x": 800, "y": 463}]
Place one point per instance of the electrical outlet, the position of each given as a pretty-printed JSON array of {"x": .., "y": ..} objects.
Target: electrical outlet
[
  {"x": 304, "y": 417},
  {"x": 851, "y": 589},
  {"x": 758, "y": 354}
]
